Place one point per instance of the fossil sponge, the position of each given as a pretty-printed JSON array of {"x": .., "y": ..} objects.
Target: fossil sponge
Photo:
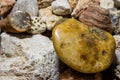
[{"x": 85, "y": 49}]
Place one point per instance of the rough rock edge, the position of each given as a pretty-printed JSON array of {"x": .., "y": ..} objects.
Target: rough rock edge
[{"x": 23, "y": 63}]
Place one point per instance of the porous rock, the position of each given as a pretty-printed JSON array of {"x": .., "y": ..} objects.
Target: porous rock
[
  {"x": 45, "y": 21},
  {"x": 49, "y": 18},
  {"x": 61, "y": 7},
  {"x": 25, "y": 57},
  {"x": 38, "y": 25}
]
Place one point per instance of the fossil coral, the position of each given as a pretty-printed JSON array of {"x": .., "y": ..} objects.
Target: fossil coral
[
  {"x": 45, "y": 21},
  {"x": 96, "y": 16},
  {"x": 38, "y": 26},
  {"x": 82, "y": 5}
]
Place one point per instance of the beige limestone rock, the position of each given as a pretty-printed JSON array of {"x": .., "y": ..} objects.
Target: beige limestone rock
[
  {"x": 49, "y": 18},
  {"x": 45, "y": 21},
  {"x": 25, "y": 57}
]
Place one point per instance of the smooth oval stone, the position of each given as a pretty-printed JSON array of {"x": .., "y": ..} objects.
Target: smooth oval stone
[{"x": 85, "y": 49}]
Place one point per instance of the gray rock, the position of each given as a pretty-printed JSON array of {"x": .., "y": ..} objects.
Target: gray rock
[
  {"x": 114, "y": 16},
  {"x": 25, "y": 57},
  {"x": 117, "y": 51},
  {"x": 61, "y": 7},
  {"x": 29, "y": 6}
]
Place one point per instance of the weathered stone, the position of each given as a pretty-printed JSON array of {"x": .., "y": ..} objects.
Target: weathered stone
[
  {"x": 45, "y": 21},
  {"x": 114, "y": 15},
  {"x": 85, "y": 49},
  {"x": 25, "y": 57},
  {"x": 107, "y": 4},
  {"x": 117, "y": 51},
  {"x": 50, "y": 19},
  {"x": 96, "y": 16},
  {"x": 82, "y": 5},
  {"x": 61, "y": 7},
  {"x": 29, "y": 6}
]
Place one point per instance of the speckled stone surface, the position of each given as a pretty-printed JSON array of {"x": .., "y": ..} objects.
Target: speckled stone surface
[{"x": 85, "y": 49}]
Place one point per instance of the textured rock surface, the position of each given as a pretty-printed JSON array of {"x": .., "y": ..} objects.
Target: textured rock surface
[
  {"x": 45, "y": 21},
  {"x": 115, "y": 15},
  {"x": 38, "y": 25},
  {"x": 61, "y": 7},
  {"x": 85, "y": 49},
  {"x": 49, "y": 18},
  {"x": 26, "y": 57},
  {"x": 82, "y": 5},
  {"x": 117, "y": 51},
  {"x": 96, "y": 16}
]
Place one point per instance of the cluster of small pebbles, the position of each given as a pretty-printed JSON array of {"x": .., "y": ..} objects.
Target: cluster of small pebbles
[{"x": 83, "y": 32}]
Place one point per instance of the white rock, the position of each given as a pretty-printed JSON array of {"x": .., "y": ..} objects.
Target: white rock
[
  {"x": 29, "y": 6},
  {"x": 25, "y": 57},
  {"x": 107, "y": 4},
  {"x": 61, "y": 7}
]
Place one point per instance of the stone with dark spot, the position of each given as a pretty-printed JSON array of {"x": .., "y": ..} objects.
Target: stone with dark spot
[{"x": 85, "y": 49}]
